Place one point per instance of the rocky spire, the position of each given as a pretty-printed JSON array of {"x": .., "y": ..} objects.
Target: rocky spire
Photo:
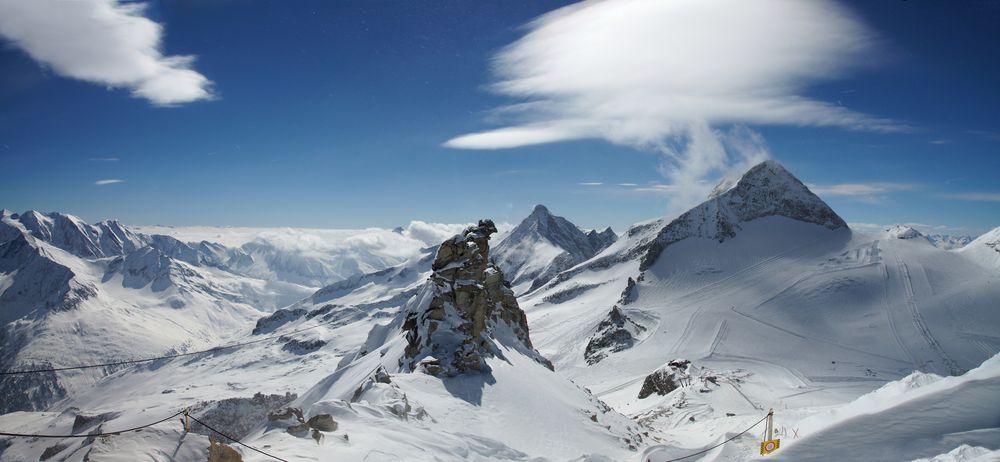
[{"x": 465, "y": 311}]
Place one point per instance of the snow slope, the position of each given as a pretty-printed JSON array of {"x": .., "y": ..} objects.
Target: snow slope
[
  {"x": 516, "y": 409},
  {"x": 775, "y": 302},
  {"x": 544, "y": 245},
  {"x": 918, "y": 416},
  {"x": 313, "y": 257},
  {"x": 984, "y": 250},
  {"x": 82, "y": 303},
  {"x": 783, "y": 305}
]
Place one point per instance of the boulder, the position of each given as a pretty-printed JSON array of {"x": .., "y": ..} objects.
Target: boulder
[{"x": 323, "y": 423}]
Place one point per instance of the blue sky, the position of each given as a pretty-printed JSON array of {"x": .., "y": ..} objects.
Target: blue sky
[{"x": 336, "y": 114}]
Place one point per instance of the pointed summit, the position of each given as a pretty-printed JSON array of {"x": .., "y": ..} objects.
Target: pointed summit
[
  {"x": 766, "y": 190},
  {"x": 543, "y": 245},
  {"x": 539, "y": 211}
]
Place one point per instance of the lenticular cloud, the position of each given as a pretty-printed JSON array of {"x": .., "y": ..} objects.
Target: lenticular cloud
[
  {"x": 107, "y": 42},
  {"x": 637, "y": 72}
]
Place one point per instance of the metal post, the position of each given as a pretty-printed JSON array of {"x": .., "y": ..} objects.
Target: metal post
[{"x": 770, "y": 425}]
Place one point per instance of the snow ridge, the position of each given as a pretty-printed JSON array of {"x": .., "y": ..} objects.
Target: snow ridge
[
  {"x": 543, "y": 245},
  {"x": 767, "y": 189}
]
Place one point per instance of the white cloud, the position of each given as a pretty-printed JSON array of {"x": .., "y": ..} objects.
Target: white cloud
[
  {"x": 637, "y": 71},
  {"x": 104, "y": 42},
  {"x": 872, "y": 193},
  {"x": 591, "y": 183},
  {"x": 110, "y": 181},
  {"x": 859, "y": 189},
  {"x": 975, "y": 197},
  {"x": 432, "y": 233},
  {"x": 662, "y": 74},
  {"x": 103, "y": 159}
]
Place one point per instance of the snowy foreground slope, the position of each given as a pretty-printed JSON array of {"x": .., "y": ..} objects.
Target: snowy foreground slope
[{"x": 759, "y": 298}]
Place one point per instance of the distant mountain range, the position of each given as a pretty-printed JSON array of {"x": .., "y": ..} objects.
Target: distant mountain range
[{"x": 547, "y": 342}]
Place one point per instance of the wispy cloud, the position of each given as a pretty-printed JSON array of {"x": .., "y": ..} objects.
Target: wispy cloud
[
  {"x": 514, "y": 172},
  {"x": 939, "y": 142},
  {"x": 660, "y": 75},
  {"x": 975, "y": 196},
  {"x": 922, "y": 227},
  {"x": 591, "y": 184},
  {"x": 107, "y": 182},
  {"x": 988, "y": 134},
  {"x": 871, "y": 193},
  {"x": 627, "y": 184},
  {"x": 860, "y": 189},
  {"x": 103, "y": 159},
  {"x": 106, "y": 42}
]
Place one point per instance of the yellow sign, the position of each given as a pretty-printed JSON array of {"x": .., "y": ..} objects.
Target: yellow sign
[{"x": 769, "y": 446}]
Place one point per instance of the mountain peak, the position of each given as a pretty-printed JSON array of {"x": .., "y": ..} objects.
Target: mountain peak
[
  {"x": 903, "y": 232},
  {"x": 544, "y": 244},
  {"x": 540, "y": 211},
  {"x": 766, "y": 190}
]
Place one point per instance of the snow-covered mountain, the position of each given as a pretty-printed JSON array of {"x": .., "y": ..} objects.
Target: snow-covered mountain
[
  {"x": 949, "y": 241},
  {"x": 984, "y": 250},
  {"x": 451, "y": 375},
  {"x": 312, "y": 257},
  {"x": 544, "y": 245},
  {"x": 775, "y": 302},
  {"x": 672, "y": 339},
  {"x": 73, "y": 293}
]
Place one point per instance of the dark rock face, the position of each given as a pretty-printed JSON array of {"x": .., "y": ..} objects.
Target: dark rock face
[
  {"x": 237, "y": 415},
  {"x": 323, "y": 423},
  {"x": 464, "y": 310},
  {"x": 615, "y": 333},
  {"x": 516, "y": 254},
  {"x": 765, "y": 190},
  {"x": 83, "y": 422},
  {"x": 301, "y": 347},
  {"x": 277, "y": 319},
  {"x": 664, "y": 380},
  {"x": 659, "y": 382},
  {"x": 631, "y": 292}
]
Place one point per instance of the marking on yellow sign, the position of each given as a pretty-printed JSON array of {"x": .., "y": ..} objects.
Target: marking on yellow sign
[{"x": 769, "y": 446}]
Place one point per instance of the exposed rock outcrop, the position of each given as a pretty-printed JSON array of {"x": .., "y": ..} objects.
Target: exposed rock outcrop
[
  {"x": 666, "y": 379},
  {"x": 465, "y": 311},
  {"x": 221, "y": 452},
  {"x": 543, "y": 245},
  {"x": 765, "y": 190},
  {"x": 903, "y": 232},
  {"x": 615, "y": 333}
]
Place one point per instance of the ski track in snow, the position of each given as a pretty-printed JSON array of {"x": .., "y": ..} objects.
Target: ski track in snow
[{"x": 918, "y": 319}]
